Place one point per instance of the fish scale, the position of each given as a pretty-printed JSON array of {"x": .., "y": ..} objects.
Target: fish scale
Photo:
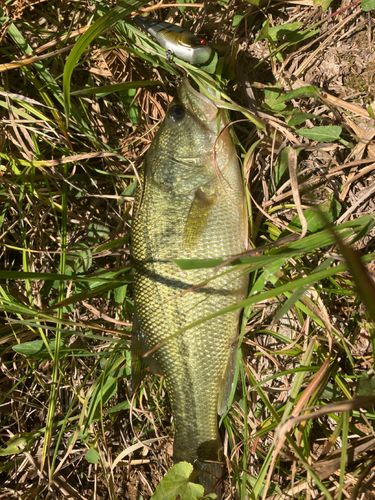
[{"x": 185, "y": 211}]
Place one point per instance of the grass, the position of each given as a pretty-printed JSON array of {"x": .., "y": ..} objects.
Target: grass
[{"x": 82, "y": 93}]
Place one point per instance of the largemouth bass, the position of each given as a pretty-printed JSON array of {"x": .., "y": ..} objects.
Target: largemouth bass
[
  {"x": 177, "y": 41},
  {"x": 190, "y": 205}
]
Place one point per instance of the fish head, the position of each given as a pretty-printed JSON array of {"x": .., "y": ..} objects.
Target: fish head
[
  {"x": 191, "y": 129},
  {"x": 193, "y": 152}
]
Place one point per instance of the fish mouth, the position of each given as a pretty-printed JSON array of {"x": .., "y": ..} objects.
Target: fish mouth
[{"x": 199, "y": 105}]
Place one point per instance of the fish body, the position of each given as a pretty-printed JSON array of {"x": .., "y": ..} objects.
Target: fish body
[
  {"x": 178, "y": 41},
  {"x": 186, "y": 209}
]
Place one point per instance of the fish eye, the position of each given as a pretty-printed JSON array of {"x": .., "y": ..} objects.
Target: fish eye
[{"x": 176, "y": 113}]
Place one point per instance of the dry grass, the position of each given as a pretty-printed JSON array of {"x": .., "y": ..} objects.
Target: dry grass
[{"x": 68, "y": 426}]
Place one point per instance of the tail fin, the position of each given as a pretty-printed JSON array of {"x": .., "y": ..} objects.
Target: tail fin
[{"x": 210, "y": 477}]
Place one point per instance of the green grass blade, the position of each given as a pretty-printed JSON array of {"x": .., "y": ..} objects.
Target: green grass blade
[
  {"x": 109, "y": 89},
  {"x": 103, "y": 23},
  {"x": 309, "y": 280}
]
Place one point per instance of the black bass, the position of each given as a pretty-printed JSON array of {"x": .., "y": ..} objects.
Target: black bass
[
  {"x": 190, "y": 205},
  {"x": 177, "y": 41}
]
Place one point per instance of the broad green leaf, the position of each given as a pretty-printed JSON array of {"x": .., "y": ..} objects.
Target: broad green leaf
[
  {"x": 299, "y": 93},
  {"x": 271, "y": 97},
  {"x": 29, "y": 348},
  {"x": 366, "y": 386},
  {"x": 38, "y": 349},
  {"x": 324, "y": 3},
  {"x": 130, "y": 190},
  {"x": 97, "y": 232},
  {"x": 177, "y": 482},
  {"x": 264, "y": 32},
  {"x": 288, "y": 29},
  {"x": 18, "y": 444},
  {"x": 125, "y": 405},
  {"x": 368, "y": 5},
  {"x": 322, "y": 134},
  {"x": 120, "y": 294},
  {"x": 331, "y": 208},
  {"x": 257, "y": 3},
  {"x": 92, "y": 456},
  {"x": 300, "y": 118},
  {"x": 238, "y": 16},
  {"x": 79, "y": 260}
]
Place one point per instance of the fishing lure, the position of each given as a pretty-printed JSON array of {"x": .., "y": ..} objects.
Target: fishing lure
[{"x": 175, "y": 40}]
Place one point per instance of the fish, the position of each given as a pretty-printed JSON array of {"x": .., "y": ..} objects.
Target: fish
[
  {"x": 175, "y": 40},
  {"x": 189, "y": 204}
]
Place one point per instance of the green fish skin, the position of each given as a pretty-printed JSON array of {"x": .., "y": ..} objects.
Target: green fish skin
[
  {"x": 186, "y": 209},
  {"x": 178, "y": 41}
]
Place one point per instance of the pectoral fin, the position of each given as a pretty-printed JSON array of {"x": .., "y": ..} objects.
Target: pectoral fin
[
  {"x": 197, "y": 218},
  {"x": 141, "y": 366}
]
